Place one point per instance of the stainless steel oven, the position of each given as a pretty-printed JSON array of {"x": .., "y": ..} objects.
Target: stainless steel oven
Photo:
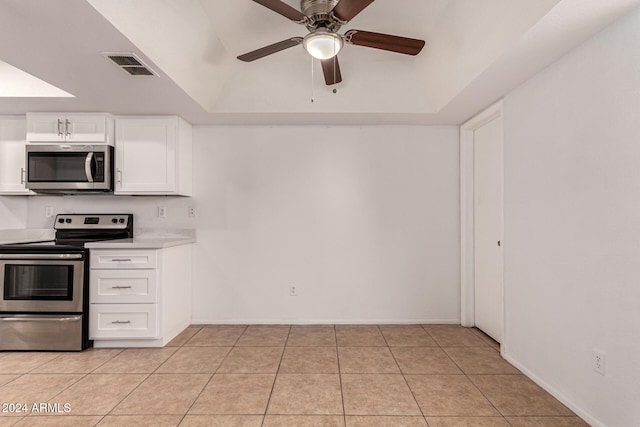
[
  {"x": 48, "y": 282},
  {"x": 42, "y": 300},
  {"x": 62, "y": 168}
]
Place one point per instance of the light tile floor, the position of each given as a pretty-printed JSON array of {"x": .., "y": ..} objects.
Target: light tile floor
[{"x": 274, "y": 376}]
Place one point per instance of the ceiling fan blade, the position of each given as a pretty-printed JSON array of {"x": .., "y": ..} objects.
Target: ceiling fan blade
[
  {"x": 346, "y": 10},
  {"x": 283, "y": 9},
  {"x": 331, "y": 70},
  {"x": 271, "y": 49},
  {"x": 385, "y": 41}
]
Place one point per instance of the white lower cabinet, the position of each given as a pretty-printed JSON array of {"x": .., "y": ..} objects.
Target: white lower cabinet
[{"x": 139, "y": 297}]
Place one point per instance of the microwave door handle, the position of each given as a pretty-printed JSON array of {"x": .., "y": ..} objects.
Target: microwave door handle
[{"x": 87, "y": 166}]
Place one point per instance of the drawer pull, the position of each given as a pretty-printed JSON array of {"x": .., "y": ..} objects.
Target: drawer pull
[
  {"x": 121, "y": 322},
  {"x": 121, "y": 287},
  {"x": 121, "y": 260}
]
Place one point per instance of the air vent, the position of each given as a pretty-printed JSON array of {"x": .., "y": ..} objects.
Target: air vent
[{"x": 129, "y": 63}]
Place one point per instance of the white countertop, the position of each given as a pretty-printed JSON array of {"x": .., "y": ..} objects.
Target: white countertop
[
  {"x": 143, "y": 242},
  {"x": 26, "y": 235}
]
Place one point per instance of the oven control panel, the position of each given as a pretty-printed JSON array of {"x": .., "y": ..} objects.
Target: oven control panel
[{"x": 88, "y": 221}]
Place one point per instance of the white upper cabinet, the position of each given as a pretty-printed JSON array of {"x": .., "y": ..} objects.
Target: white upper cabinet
[
  {"x": 153, "y": 156},
  {"x": 70, "y": 128},
  {"x": 13, "y": 133}
]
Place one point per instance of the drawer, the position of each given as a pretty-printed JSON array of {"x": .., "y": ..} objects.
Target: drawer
[
  {"x": 118, "y": 321},
  {"x": 123, "y": 259},
  {"x": 123, "y": 286}
]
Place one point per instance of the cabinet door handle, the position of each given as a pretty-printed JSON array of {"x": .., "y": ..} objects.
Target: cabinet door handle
[
  {"x": 67, "y": 127},
  {"x": 120, "y": 259},
  {"x": 121, "y": 287},
  {"x": 118, "y": 176},
  {"x": 60, "y": 133},
  {"x": 121, "y": 322},
  {"x": 22, "y": 175}
]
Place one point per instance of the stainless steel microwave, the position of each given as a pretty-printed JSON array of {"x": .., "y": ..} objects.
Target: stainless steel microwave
[{"x": 62, "y": 168}]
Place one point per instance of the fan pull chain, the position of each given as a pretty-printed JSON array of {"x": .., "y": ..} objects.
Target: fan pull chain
[{"x": 335, "y": 59}]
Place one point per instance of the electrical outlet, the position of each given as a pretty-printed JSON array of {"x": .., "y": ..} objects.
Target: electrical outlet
[
  {"x": 293, "y": 291},
  {"x": 48, "y": 212},
  {"x": 192, "y": 212},
  {"x": 599, "y": 361},
  {"x": 162, "y": 212}
]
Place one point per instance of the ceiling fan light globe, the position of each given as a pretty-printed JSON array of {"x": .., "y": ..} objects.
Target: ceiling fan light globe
[{"x": 322, "y": 45}]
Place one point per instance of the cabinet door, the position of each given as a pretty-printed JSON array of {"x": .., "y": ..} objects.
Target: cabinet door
[
  {"x": 45, "y": 127},
  {"x": 146, "y": 156},
  {"x": 13, "y": 132},
  {"x": 85, "y": 128}
]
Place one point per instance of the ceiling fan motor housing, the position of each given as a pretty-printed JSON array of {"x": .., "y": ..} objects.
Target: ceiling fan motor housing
[{"x": 318, "y": 14}]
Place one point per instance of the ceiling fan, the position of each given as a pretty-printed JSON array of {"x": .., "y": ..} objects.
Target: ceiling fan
[{"x": 323, "y": 19}]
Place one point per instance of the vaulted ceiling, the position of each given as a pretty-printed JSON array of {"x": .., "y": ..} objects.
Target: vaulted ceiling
[{"x": 476, "y": 51}]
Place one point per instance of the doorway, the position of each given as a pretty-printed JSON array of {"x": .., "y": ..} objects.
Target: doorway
[{"x": 482, "y": 207}]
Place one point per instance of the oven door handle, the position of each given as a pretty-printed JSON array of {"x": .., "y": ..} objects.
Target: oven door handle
[
  {"x": 57, "y": 257},
  {"x": 10, "y": 318},
  {"x": 87, "y": 166}
]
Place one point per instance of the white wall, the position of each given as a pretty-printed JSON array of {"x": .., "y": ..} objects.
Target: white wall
[
  {"x": 572, "y": 230},
  {"x": 363, "y": 220},
  {"x": 13, "y": 212}
]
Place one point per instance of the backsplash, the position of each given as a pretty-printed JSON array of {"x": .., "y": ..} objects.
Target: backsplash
[{"x": 145, "y": 210}]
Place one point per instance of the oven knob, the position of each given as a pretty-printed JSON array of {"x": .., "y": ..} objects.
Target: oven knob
[
  {"x": 60, "y": 220},
  {"x": 114, "y": 220},
  {"x": 121, "y": 221},
  {"x": 68, "y": 220}
]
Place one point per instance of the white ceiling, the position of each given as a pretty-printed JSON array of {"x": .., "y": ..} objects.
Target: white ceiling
[{"x": 477, "y": 50}]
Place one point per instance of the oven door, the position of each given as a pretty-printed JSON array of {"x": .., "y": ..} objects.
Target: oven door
[
  {"x": 69, "y": 167},
  {"x": 39, "y": 283}
]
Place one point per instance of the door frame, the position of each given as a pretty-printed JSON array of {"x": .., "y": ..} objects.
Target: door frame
[{"x": 467, "y": 279}]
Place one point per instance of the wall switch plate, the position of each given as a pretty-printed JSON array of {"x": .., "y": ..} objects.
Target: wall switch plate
[
  {"x": 293, "y": 291},
  {"x": 48, "y": 212},
  {"x": 599, "y": 361},
  {"x": 162, "y": 212}
]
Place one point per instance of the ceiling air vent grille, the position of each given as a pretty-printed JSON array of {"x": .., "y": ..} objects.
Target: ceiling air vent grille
[{"x": 129, "y": 63}]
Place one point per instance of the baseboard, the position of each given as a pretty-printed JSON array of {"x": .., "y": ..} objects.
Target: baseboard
[
  {"x": 555, "y": 393},
  {"x": 324, "y": 322}
]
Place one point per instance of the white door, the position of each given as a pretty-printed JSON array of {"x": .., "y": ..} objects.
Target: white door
[{"x": 488, "y": 220}]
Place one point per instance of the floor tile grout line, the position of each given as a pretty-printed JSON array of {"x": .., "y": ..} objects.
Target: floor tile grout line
[
  {"x": 469, "y": 379},
  {"x": 485, "y": 396},
  {"x": 163, "y": 362},
  {"x": 128, "y": 394},
  {"x": 275, "y": 378},
  {"x": 82, "y": 376},
  {"x": 344, "y": 409},
  {"x": 432, "y": 337},
  {"x": 212, "y": 375},
  {"x": 424, "y": 417},
  {"x": 79, "y": 379}
]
